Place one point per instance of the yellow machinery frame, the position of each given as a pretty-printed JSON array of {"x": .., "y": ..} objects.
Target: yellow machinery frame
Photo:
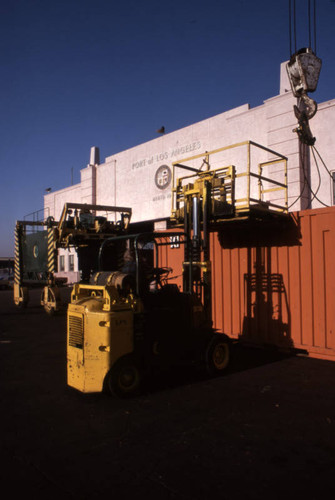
[{"x": 228, "y": 178}]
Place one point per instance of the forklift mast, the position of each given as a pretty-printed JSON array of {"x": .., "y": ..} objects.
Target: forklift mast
[
  {"x": 197, "y": 204},
  {"x": 207, "y": 198}
]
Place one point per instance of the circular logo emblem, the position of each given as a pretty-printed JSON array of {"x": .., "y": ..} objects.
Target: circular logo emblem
[
  {"x": 35, "y": 251},
  {"x": 163, "y": 177}
]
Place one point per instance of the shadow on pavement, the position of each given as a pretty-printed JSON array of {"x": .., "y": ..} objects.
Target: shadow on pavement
[{"x": 243, "y": 358}]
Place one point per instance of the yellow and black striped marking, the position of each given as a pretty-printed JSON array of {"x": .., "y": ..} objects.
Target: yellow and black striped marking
[
  {"x": 51, "y": 251},
  {"x": 17, "y": 255}
]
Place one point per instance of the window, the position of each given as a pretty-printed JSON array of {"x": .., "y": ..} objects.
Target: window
[
  {"x": 62, "y": 263},
  {"x": 71, "y": 262}
]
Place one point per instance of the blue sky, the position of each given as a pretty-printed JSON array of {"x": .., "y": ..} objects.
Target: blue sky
[{"x": 80, "y": 73}]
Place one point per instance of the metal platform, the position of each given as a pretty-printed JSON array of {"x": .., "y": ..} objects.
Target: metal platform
[{"x": 238, "y": 189}]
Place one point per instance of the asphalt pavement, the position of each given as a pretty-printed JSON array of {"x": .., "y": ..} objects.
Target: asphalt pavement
[{"x": 264, "y": 429}]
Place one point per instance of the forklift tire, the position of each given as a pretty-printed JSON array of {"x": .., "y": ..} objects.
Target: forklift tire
[
  {"x": 21, "y": 293},
  {"x": 124, "y": 378},
  {"x": 50, "y": 310},
  {"x": 21, "y": 305},
  {"x": 217, "y": 355}
]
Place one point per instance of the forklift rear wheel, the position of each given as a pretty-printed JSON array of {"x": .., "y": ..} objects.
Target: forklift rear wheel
[
  {"x": 124, "y": 378},
  {"x": 217, "y": 355}
]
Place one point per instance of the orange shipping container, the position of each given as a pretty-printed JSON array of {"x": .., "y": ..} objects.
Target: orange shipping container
[{"x": 274, "y": 283}]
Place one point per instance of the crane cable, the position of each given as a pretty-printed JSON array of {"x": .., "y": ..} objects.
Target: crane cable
[
  {"x": 323, "y": 163},
  {"x": 293, "y": 25},
  {"x": 306, "y": 181},
  {"x": 293, "y": 33},
  {"x": 319, "y": 175}
]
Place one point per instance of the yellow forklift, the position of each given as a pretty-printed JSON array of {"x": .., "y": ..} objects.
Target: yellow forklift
[
  {"x": 133, "y": 316},
  {"x": 130, "y": 320}
]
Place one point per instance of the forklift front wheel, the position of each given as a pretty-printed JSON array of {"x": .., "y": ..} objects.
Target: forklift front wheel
[
  {"x": 124, "y": 378},
  {"x": 217, "y": 355}
]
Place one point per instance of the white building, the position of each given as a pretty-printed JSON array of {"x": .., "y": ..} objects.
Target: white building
[{"x": 140, "y": 177}]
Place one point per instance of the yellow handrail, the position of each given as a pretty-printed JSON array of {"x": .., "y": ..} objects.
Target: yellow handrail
[{"x": 244, "y": 203}]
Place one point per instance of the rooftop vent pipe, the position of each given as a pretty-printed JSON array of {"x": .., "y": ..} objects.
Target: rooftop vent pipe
[{"x": 95, "y": 156}]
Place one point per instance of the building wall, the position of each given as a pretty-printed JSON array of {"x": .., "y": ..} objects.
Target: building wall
[
  {"x": 68, "y": 265},
  {"x": 323, "y": 126},
  {"x": 131, "y": 177},
  {"x": 84, "y": 192}
]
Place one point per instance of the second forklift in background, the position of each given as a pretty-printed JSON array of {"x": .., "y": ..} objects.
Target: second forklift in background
[{"x": 81, "y": 226}]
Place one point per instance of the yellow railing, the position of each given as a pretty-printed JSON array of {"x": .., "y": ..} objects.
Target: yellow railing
[{"x": 252, "y": 195}]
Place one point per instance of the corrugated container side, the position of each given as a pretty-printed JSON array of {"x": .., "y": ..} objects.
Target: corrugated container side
[{"x": 276, "y": 289}]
